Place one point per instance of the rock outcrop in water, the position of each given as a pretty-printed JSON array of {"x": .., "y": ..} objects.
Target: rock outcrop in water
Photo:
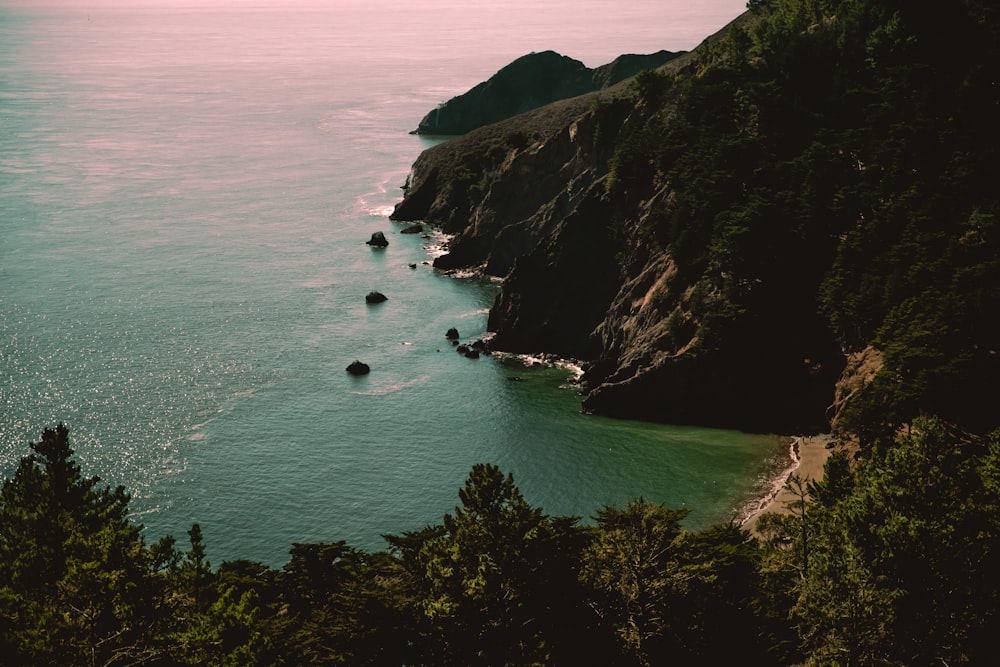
[
  {"x": 378, "y": 240},
  {"x": 527, "y": 83},
  {"x": 357, "y": 367},
  {"x": 718, "y": 239}
]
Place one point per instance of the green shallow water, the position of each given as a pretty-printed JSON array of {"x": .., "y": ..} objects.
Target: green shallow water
[{"x": 184, "y": 200}]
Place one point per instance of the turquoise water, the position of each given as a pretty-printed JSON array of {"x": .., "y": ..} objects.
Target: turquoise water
[{"x": 184, "y": 199}]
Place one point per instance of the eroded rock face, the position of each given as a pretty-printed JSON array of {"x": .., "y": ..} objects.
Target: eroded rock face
[
  {"x": 448, "y": 182},
  {"x": 859, "y": 373},
  {"x": 523, "y": 190},
  {"x": 584, "y": 280},
  {"x": 557, "y": 294},
  {"x": 748, "y": 223},
  {"x": 760, "y": 380}
]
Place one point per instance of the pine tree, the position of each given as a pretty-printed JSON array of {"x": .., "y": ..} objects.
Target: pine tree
[{"x": 77, "y": 583}]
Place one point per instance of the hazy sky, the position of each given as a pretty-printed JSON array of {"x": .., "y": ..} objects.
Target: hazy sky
[
  {"x": 594, "y": 31},
  {"x": 736, "y": 6}
]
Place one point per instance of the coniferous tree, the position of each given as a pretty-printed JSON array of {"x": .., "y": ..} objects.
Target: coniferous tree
[
  {"x": 77, "y": 583},
  {"x": 496, "y": 575}
]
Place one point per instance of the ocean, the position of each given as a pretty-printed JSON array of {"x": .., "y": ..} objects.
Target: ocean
[{"x": 186, "y": 189}]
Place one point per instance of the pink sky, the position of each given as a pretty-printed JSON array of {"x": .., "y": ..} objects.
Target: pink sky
[{"x": 682, "y": 23}]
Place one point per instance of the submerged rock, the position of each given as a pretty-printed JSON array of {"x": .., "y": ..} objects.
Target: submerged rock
[
  {"x": 378, "y": 240},
  {"x": 358, "y": 368}
]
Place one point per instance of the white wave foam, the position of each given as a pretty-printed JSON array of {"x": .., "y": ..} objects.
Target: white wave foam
[
  {"x": 474, "y": 313},
  {"x": 380, "y": 210},
  {"x": 572, "y": 366},
  {"x": 437, "y": 244},
  {"x": 773, "y": 485}
]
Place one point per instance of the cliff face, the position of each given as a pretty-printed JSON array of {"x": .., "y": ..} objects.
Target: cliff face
[
  {"x": 527, "y": 199},
  {"x": 501, "y": 188},
  {"x": 723, "y": 240},
  {"x": 530, "y": 82}
]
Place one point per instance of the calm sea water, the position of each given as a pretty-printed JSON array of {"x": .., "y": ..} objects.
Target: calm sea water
[{"x": 185, "y": 193}]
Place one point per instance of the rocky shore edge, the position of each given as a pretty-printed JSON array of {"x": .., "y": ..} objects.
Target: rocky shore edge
[{"x": 808, "y": 454}]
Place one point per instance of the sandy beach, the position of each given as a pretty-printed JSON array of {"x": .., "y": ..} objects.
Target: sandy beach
[{"x": 809, "y": 455}]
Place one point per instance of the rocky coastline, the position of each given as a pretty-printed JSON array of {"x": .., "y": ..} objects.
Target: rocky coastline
[{"x": 528, "y": 200}]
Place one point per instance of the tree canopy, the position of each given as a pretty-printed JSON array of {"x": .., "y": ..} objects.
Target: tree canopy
[
  {"x": 833, "y": 154},
  {"x": 834, "y": 158},
  {"x": 887, "y": 561}
]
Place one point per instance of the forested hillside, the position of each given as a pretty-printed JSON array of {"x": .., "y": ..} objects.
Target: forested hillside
[
  {"x": 836, "y": 158},
  {"x": 731, "y": 238},
  {"x": 800, "y": 213}
]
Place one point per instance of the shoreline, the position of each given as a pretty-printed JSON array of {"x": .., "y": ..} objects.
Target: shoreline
[{"x": 809, "y": 454}]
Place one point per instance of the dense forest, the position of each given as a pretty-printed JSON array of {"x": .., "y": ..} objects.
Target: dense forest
[
  {"x": 837, "y": 154},
  {"x": 834, "y": 158},
  {"x": 887, "y": 562}
]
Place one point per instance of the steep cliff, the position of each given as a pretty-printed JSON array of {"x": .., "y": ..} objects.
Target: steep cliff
[{"x": 720, "y": 237}]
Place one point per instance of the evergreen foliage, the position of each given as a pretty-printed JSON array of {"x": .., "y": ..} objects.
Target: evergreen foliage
[
  {"x": 887, "y": 562},
  {"x": 833, "y": 157},
  {"x": 832, "y": 153},
  {"x": 77, "y": 583}
]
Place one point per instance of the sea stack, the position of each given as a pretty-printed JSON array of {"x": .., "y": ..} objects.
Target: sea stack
[
  {"x": 377, "y": 240},
  {"x": 358, "y": 368}
]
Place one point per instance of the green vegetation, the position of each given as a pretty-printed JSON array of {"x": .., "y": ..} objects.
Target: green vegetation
[
  {"x": 889, "y": 563},
  {"x": 828, "y": 158},
  {"x": 833, "y": 158}
]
